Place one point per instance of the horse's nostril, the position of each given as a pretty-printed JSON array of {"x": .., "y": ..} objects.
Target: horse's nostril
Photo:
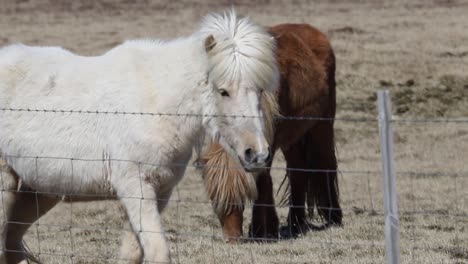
[
  {"x": 249, "y": 155},
  {"x": 253, "y": 157}
]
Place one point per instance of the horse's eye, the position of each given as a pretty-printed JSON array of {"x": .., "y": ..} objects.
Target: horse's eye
[{"x": 224, "y": 92}]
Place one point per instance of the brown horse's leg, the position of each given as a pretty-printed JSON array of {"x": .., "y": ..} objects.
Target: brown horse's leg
[
  {"x": 264, "y": 218},
  {"x": 296, "y": 162},
  {"x": 232, "y": 224},
  {"x": 323, "y": 191},
  {"x": 27, "y": 208}
]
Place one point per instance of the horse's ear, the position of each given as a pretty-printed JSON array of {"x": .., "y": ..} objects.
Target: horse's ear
[{"x": 210, "y": 43}]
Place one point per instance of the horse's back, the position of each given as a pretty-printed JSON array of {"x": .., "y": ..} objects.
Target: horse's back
[
  {"x": 29, "y": 56},
  {"x": 23, "y": 67},
  {"x": 307, "y": 61},
  {"x": 314, "y": 39},
  {"x": 53, "y": 77},
  {"x": 319, "y": 44}
]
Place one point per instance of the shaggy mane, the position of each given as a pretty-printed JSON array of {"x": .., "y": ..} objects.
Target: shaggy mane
[
  {"x": 243, "y": 50},
  {"x": 228, "y": 185}
]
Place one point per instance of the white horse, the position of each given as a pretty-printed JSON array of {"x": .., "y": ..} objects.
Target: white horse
[{"x": 217, "y": 72}]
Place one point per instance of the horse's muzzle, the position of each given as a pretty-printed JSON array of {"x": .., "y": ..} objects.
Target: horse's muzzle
[{"x": 253, "y": 162}]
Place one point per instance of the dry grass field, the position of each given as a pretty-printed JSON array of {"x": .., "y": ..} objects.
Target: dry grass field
[{"x": 418, "y": 49}]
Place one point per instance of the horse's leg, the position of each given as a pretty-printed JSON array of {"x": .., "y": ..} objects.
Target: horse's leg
[
  {"x": 139, "y": 200},
  {"x": 130, "y": 250},
  {"x": 232, "y": 224},
  {"x": 264, "y": 218},
  {"x": 163, "y": 199},
  {"x": 323, "y": 190},
  {"x": 295, "y": 161},
  {"x": 28, "y": 207},
  {"x": 9, "y": 183}
]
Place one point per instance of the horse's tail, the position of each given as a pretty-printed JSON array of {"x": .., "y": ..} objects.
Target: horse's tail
[
  {"x": 228, "y": 185},
  {"x": 322, "y": 191},
  {"x": 30, "y": 258},
  {"x": 322, "y": 186}
]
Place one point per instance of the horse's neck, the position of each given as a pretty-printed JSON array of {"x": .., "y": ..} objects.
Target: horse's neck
[{"x": 175, "y": 88}]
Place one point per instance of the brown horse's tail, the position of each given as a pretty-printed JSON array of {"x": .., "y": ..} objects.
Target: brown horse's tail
[{"x": 322, "y": 192}]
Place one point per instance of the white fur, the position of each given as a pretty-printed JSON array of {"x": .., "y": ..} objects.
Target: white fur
[
  {"x": 130, "y": 156},
  {"x": 137, "y": 76}
]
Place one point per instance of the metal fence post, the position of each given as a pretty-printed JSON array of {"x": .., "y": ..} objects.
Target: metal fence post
[{"x": 392, "y": 236}]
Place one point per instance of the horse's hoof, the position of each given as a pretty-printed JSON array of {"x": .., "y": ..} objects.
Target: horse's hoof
[
  {"x": 295, "y": 231},
  {"x": 334, "y": 224},
  {"x": 262, "y": 235},
  {"x": 233, "y": 240},
  {"x": 289, "y": 232},
  {"x": 334, "y": 218}
]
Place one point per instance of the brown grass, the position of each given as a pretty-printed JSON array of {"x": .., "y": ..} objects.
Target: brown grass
[{"x": 418, "y": 49}]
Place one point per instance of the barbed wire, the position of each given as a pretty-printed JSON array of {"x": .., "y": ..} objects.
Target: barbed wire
[
  {"x": 160, "y": 114},
  {"x": 100, "y": 197},
  {"x": 274, "y": 168},
  {"x": 68, "y": 198},
  {"x": 428, "y": 174},
  {"x": 396, "y": 119},
  {"x": 177, "y": 164}
]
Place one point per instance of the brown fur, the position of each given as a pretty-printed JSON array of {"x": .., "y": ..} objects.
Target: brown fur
[{"x": 307, "y": 66}]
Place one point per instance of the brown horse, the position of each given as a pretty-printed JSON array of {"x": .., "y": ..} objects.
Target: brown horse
[{"x": 307, "y": 65}]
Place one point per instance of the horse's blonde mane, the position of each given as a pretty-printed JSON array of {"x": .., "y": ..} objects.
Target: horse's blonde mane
[
  {"x": 228, "y": 185},
  {"x": 243, "y": 50}
]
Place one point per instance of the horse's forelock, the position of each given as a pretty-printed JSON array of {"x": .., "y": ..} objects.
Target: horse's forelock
[{"x": 243, "y": 49}]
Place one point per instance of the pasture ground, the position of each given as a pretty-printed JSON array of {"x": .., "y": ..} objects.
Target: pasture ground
[{"x": 418, "y": 49}]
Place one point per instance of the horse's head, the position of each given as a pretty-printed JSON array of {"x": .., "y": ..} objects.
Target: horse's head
[{"x": 242, "y": 67}]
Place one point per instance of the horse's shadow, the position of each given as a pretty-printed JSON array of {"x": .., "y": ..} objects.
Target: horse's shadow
[{"x": 287, "y": 232}]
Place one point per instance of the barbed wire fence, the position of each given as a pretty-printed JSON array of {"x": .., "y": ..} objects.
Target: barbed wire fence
[{"x": 84, "y": 233}]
